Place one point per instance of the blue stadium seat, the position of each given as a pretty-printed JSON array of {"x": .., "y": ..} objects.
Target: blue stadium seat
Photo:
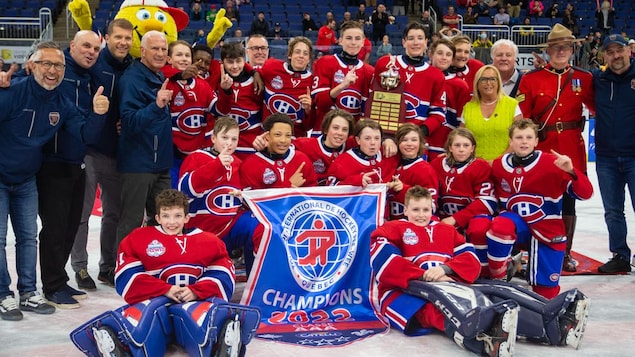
[{"x": 12, "y": 12}]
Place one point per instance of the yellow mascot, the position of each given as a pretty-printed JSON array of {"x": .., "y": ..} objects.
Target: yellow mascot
[{"x": 147, "y": 15}]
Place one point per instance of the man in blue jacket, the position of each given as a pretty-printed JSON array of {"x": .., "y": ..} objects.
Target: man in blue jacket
[
  {"x": 144, "y": 155},
  {"x": 61, "y": 179},
  {"x": 33, "y": 110},
  {"x": 101, "y": 161},
  {"x": 614, "y": 145}
]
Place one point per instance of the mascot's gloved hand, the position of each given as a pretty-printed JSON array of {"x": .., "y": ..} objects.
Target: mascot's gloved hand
[
  {"x": 81, "y": 14},
  {"x": 221, "y": 24}
]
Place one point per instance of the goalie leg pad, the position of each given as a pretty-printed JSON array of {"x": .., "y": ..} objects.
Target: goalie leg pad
[
  {"x": 144, "y": 329},
  {"x": 197, "y": 324},
  {"x": 467, "y": 309}
]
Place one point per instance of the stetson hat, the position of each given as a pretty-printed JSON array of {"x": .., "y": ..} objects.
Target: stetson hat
[{"x": 560, "y": 35}]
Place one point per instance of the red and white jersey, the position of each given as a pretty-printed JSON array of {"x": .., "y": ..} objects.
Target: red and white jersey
[
  {"x": 150, "y": 261},
  {"x": 402, "y": 251},
  {"x": 193, "y": 108},
  {"x": 534, "y": 192},
  {"x": 261, "y": 171},
  {"x": 464, "y": 191},
  {"x": 457, "y": 93},
  {"x": 412, "y": 172},
  {"x": 469, "y": 72},
  {"x": 330, "y": 72},
  {"x": 283, "y": 87},
  {"x": 247, "y": 110},
  {"x": 210, "y": 185},
  {"x": 423, "y": 91},
  {"x": 350, "y": 167},
  {"x": 319, "y": 154}
]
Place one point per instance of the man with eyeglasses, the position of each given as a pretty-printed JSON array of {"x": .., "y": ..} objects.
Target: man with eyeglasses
[
  {"x": 34, "y": 108},
  {"x": 257, "y": 50},
  {"x": 614, "y": 145},
  {"x": 62, "y": 177},
  {"x": 552, "y": 97}
]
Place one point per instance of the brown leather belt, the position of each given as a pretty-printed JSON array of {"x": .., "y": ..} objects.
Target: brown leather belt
[{"x": 563, "y": 125}]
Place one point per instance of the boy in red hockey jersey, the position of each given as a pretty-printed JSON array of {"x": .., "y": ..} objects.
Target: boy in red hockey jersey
[
  {"x": 178, "y": 284},
  {"x": 466, "y": 192},
  {"x": 324, "y": 149},
  {"x": 194, "y": 104},
  {"x": 412, "y": 169},
  {"x": 530, "y": 185},
  {"x": 246, "y": 106},
  {"x": 209, "y": 177},
  {"x": 425, "y": 105},
  {"x": 288, "y": 84},
  {"x": 343, "y": 80},
  {"x": 365, "y": 163},
  {"x": 279, "y": 165},
  {"x": 403, "y": 251}
]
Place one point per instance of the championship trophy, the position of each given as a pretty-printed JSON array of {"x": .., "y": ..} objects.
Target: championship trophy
[{"x": 386, "y": 104}]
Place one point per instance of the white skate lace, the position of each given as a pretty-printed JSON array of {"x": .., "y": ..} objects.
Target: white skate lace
[
  {"x": 232, "y": 337},
  {"x": 104, "y": 342}
]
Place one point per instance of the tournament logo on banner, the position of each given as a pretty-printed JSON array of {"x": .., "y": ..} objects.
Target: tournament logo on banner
[{"x": 312, "y": 275}]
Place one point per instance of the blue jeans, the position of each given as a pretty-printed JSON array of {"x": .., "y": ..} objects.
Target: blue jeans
[
  {"x": 19, "y": 201},
  {"x": 614, "y": 173}
]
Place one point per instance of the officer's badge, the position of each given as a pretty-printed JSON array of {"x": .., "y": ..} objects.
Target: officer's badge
[{"x": 576, "y": 85}]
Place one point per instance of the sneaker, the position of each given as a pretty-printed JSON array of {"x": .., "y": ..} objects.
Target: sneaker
[
  {"x": 229, "y": 343},
  {"x": 500, "y": 340},
  {"x": 62, "y": 299},
  {"x": 33, "y": 301},
  {"x": 107, "y": 342},
  {"x": 573, "y": 321},
  {"x": 617, "y": 264},
  {"x": 76, "y": 294},
  {"x": 107, "y": 277},
  {"x": 569, "y": 264},
  {"x": 9, "y": 309},
  {"x": 84, "y": 281}
]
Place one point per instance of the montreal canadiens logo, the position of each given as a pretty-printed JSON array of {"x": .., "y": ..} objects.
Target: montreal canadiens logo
[
  {"x": 221, "y": 202},
  {"x": 321, "y": 241},
  {"x": 527, "y": 206},
  {"x": 282, "y": 103},
  {"x": 155, "y": 249},
  {"x": 190, "y": 121}
]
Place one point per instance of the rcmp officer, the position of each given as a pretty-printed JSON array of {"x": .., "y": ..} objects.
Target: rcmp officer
[{"x": 552, "y": 97}]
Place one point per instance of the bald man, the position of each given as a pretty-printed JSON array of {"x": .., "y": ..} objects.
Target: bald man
[{"x": 62, "y": 177}]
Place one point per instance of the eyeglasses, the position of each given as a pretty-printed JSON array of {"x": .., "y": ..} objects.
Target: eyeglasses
[
  {"x": 47, "y": 65},
  {"x": 258, "y": 48},
  {"x": 488, "y": 79},
  {"x": 561, "y": 48}
]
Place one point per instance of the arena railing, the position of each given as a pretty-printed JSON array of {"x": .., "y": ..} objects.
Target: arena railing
[{"x": 27, "y": 29}]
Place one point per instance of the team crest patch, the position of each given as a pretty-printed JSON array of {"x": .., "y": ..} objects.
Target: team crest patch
[
  {"x": 319, "y": 166},
  {"x": 276, "y": 82},
  {"x": 179, "y": 100},
  {"x": 269, "y": 177},
  {"x": 410, "y": 237},
  {"x": 339, "y": 76},
  {"x": 505, "y": 186},
  {"x": 54, "y": 118},
  {"x": 155, "y": 249}
]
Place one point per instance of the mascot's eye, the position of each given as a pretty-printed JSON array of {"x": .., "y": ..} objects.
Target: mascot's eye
[
  {"x": 143, "y": 14},
  {"x": 161, "y": 17}
]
